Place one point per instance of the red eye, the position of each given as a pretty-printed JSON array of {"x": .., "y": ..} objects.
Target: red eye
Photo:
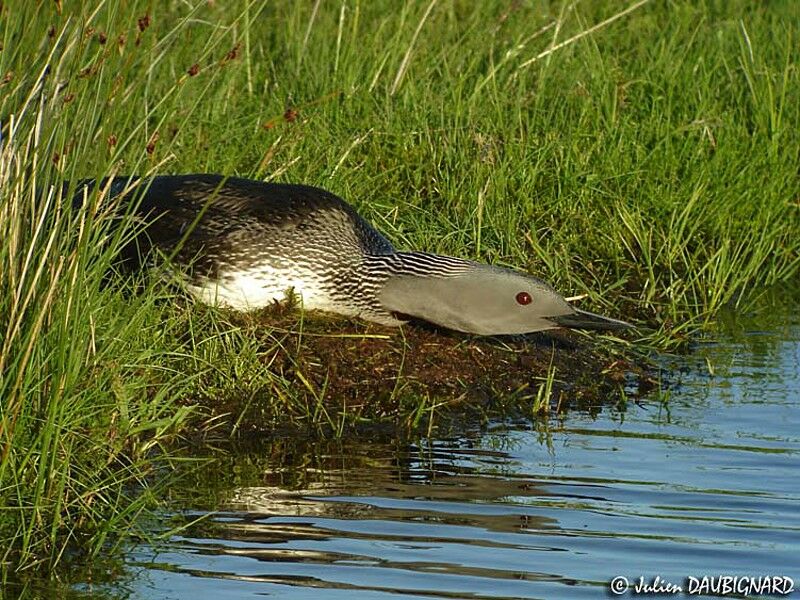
[{"x": 524, "y": 298}]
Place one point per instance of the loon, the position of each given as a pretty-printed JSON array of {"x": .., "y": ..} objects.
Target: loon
[{"x": 246, "y": 244}]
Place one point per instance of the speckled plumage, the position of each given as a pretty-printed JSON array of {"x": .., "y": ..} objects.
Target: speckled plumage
[{"x": 247, "y": 243}]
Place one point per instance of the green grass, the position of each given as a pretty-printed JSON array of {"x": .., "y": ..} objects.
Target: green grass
[{"x": 651, "y": 164}]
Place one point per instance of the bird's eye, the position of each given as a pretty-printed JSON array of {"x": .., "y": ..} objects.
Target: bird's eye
[{"x": 524, "y": 298}]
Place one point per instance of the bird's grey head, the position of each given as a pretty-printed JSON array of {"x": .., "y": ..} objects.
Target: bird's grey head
[{"x": 472, "y": 297}]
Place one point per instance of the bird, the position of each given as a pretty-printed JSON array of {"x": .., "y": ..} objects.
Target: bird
[{"x": 246, "y": 244}]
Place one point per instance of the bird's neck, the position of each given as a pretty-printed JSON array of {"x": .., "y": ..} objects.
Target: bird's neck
[{"x": 420, "y": 264}]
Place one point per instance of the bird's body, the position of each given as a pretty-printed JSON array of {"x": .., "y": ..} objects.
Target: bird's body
[{"x": 247, "y": 244}]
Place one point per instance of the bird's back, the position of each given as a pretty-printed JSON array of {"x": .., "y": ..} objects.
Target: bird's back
[{"x": 217, "y": 223}]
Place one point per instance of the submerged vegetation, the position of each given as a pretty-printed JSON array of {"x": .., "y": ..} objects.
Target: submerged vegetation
[{"x": 650, "y": 163}]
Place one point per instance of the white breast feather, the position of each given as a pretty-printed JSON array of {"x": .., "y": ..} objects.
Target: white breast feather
[{"x": 256, "y": 288}]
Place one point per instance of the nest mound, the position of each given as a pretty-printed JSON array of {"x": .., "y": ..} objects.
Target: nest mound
[{"x": 342, "y": 373}]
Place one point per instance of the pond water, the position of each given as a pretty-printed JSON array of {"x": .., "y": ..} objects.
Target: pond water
[{"x": 700, "y": 481}]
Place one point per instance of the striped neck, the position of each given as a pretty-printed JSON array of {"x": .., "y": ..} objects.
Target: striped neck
[
  {"x": 417, "y": 264},
  {"x": 357, "y": 289}
]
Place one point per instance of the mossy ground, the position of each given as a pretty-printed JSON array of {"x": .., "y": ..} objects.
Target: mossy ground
[{"x": 342, "y": 376}]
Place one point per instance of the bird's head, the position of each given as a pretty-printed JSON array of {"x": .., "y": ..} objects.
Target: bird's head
[{"x": 479, "y": 299}]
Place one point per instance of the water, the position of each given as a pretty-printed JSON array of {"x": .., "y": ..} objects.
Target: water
[{"x": 704, "y": 484}]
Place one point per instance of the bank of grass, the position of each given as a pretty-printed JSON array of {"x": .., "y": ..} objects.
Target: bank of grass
[{"x": 651, "y": 164}]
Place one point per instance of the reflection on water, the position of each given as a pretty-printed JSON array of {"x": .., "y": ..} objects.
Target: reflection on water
[{"x": 704, "y": 483}]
